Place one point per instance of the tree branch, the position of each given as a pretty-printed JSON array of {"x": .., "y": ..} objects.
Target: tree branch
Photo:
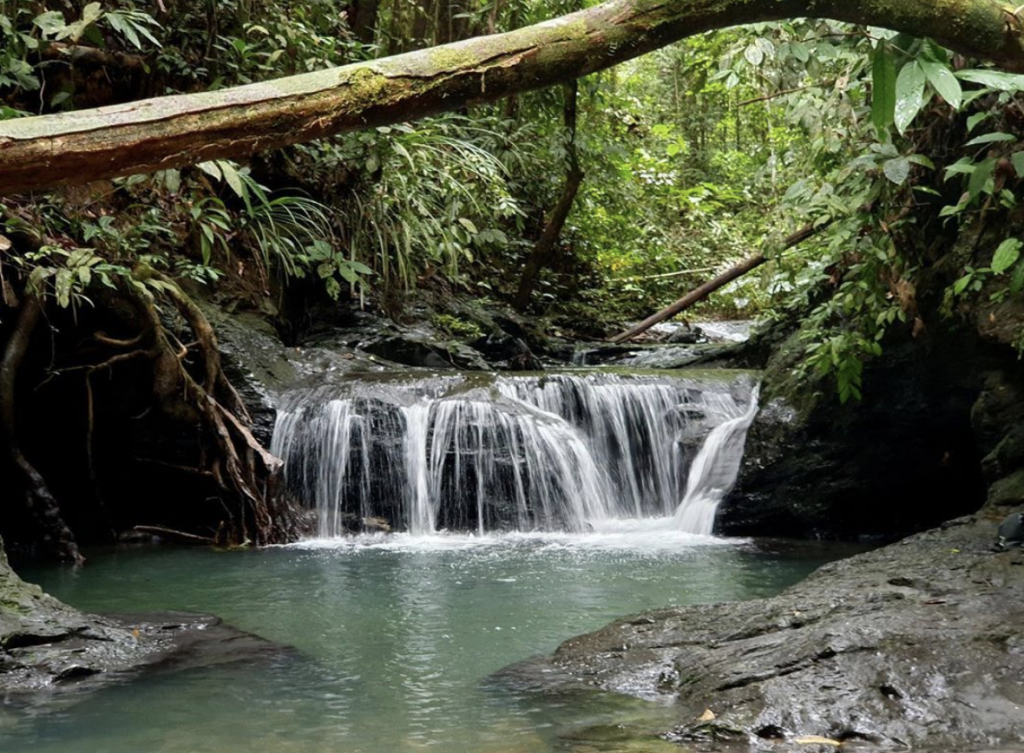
[{"x": 709, "y": 287}]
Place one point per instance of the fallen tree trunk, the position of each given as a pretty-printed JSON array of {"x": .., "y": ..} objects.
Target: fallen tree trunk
[
  {"x": 709, "y": 287},
  {"x": 166, "y": 132}
]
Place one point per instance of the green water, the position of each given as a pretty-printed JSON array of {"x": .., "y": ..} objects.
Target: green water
[{"x": 394, "y": 637}]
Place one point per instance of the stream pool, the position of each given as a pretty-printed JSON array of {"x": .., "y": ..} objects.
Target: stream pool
[{"x": 395, "y": 637}]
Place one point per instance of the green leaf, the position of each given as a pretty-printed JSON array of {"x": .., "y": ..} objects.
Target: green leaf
[
  {"x": 897, "y": 170},
  {"x": 232, "y": 178},
  {"x": 754, "y": 55},
  {"x": 961, "y": 285},
  {"x": 934, "y": 53},
  {"x": 63, "y": 287},
  {"x": 358, "y": 266},
  {"x": 909, "y": 95},
  {"x": 1017, "y": 158},
  {"x": 468, "y": 224},
  {"x": 51, "y": 22},
  {"x": 1017, "y": 281},
  {"x": 963, "y": 166},
  {"x": 1006, "y": 255},
  {"x": 90, "y": 14},
  {"x": 765, "y": 45},
  {"x": 980, "y": 177},
  {"x": 211, "y": 169},
  {"x": 1006, "y": 82},
  {"x": 976, "y": 118},
  {"x": 883, "y": 87},
  {"x": 944, "y": 81},
  {"x": 990, "y": 138}
]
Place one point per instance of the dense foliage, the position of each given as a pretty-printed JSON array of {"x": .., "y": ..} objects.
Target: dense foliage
[{"x": 694, "y": 157}]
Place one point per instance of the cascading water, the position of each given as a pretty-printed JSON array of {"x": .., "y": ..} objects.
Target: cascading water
[
  {"x": 484, "y": 453},
  {"x": 713, "y": 472}
]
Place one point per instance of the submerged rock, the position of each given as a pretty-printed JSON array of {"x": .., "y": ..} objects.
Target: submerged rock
[{"x": 916, "y": 645}]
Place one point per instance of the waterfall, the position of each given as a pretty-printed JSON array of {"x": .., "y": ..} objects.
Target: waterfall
[
  {"x": 481, "y": 453},
  {"x": 713, "y": 472}
]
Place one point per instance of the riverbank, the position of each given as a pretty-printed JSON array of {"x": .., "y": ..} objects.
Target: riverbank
[
  {"x": 50, "y": 652},
  {"x": 917, "y": 645}
]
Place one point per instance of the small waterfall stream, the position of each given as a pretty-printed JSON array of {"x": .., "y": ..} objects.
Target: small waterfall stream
[{"x": 486, "y": 453}]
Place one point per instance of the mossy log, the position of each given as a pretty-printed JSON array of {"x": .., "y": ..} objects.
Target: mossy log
[{"x": 173, "y": 131}]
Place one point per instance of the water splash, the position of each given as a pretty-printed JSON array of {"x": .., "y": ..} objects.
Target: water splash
[{"x": 564, "y": 452}]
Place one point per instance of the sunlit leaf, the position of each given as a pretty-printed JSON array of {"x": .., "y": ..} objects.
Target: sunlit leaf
[
  {"x": 897, "y": 170},
  {"x": 944, "y": 81},
  {"x": 909, "y": 95},
  {"x": 1007, "y": 82}
]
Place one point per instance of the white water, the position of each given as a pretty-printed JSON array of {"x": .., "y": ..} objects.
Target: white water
[
  {"x": 713, "y": 472},
  {"x": 570, "y": 452}
]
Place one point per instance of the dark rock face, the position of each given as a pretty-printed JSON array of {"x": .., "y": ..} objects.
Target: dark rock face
[
  {"x": 918, "y": 644},
  {"x": 48, "y": 649},
  {"x": 425, "y": 352},
  {"x": 905, "y": 458},
  {"x": 507, "y": 352},
  {"x": 256, "y": 363}
]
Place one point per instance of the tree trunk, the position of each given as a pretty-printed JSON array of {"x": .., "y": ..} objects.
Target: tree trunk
[
  {"x": 709, "y": 287},
  {"x": 167, "y": 132},
  {"x": 546, "y": 247},
  {"x": 362, "y": 19}
]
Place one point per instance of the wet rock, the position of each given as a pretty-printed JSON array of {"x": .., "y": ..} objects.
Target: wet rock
[
  {"x": 49, "y": 650},
  {"x": 919, "y": 644},
  {"x": 906, "y": 457},
  {"x": 375, "y": 525},
  {"x": 686, "y": 335},
  {"x": 412, "y": 349},
  {"x": 1010, "y": 532},
  {"x": 507, "y": 352},
  {"x": 352, "y": 524},
  {"x": 256, "y": 363}
]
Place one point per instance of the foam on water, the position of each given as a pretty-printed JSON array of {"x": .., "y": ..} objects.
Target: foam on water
[{"x": 649, "y": 536}]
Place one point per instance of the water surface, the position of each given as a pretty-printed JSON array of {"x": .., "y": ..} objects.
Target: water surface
[{"x": 394, "y": 636}]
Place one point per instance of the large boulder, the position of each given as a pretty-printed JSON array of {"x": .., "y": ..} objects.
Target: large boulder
[
  {"x": 904, "y": 458},
  {"x": 916, "y": 645}
]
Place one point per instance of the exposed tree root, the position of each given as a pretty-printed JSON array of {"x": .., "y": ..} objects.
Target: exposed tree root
[
  {"x": 40, "y": 502},
  {"x": 188, "y": 388},
  {"x": 243, "y": 470}
]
